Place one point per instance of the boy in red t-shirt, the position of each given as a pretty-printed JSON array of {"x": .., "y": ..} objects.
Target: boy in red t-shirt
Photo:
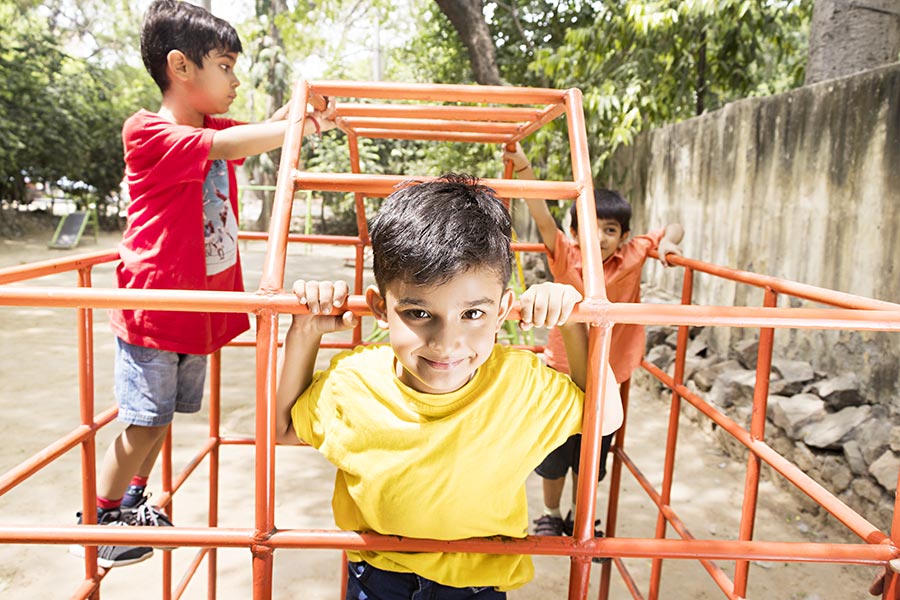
[
  {"x": 181, "y": 234},
  {"x": 623, "y": 259}
]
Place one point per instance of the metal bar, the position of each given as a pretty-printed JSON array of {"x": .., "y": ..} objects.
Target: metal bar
[
  {"x": 857, "y": 554},
  {"x": 266, "y": 335},
  {"x": 783, "y": 286},
  {"x": 443, "y": 136},
  {"x": 434, "y": 111},
  {"x": 280, "y": 223},
  {"x": 856, "y": 523},
  {"x": 436, "y": 92},
  {"x": 86, "y": 415},
  {"x": 615, "y": 484},
  {"x": 591, "y": 258},
  {"x": 385, "y": 184},
  {"x": 757, "y": 432},
  {"x": 57, "y": 265},
  {"x": 80, "y": 435},
  {"x": 215, "y": 420},
  {"x": 440, "y": 125}
]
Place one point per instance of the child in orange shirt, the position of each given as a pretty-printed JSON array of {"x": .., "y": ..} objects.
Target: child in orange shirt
[{"x": 623, "y": 259}]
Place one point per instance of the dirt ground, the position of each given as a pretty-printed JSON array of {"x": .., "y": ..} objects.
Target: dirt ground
[{"x": 39, "y": 403}]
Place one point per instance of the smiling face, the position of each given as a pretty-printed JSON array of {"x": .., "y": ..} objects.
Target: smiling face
[
  {"x": 609, "y": 232},
  {"x": 214, "y": 85},
  {"x": 442, "y": 333}
]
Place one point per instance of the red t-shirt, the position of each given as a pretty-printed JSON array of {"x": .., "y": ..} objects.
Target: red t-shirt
[
  {"x": 181, "y": 233},
  {"x": 622, "y": 276}
]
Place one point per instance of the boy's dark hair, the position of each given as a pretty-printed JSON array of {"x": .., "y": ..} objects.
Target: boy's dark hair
[
  {"x": 175, "y": 25},
  {"x": 609, "y": 204},
  {"x": 429, "y": 232}
]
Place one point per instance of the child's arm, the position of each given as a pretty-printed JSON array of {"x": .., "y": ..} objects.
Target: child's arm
[
  {"x": 242, "y": 141},
  {"x": 538, "y": 208},
  {"x": 302, "y": 344},
  {"x": 669, "y": 242},
  {"x": 549, "y": 305}
]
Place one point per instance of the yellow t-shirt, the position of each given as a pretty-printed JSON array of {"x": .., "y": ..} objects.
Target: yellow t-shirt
[{"x": 438, "y": 466}]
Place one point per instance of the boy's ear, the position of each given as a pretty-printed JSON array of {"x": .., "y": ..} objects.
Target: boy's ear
[
  {"x": 179, "y": 64},
  {"x": 377, "y": 305},
  {"x": 624, "y": 237},
  {"x": 506, "y": 303}
]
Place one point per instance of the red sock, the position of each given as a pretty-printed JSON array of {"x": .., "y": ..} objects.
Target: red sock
[
  {"x": 139, "y": 481},
  {"x": 107, "y": 504}
]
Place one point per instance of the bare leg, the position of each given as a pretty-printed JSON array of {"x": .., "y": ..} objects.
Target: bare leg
[
  {"x": 553, "y": 490},
  {"x": 128, "y": 455}
]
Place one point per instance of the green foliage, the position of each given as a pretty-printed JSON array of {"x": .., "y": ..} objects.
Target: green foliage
[
  {"x": 644, "y": 64},
  {"x": 639, "y": 63},
  {"x": 60, "y": 116}
]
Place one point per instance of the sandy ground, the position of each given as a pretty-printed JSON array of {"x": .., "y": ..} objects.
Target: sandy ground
[{"x": 39, "y": 403}]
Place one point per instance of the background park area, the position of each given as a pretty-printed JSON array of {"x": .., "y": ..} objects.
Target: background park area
[{"x": 682, "y": 99}]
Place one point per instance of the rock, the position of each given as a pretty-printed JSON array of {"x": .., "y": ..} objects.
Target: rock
[
  {"x": 692, "y": 364},
  {"x": 804, "y": 457},
  {"x": 895, "y": 438},
  {"x": 834, "y": 429},
  {"x": 672, "y": 338},
  {"x": 876, "y": 438},
  {"x": 793, "y": 373},
  {"x": 885, "y": 469},
  {"x": 733, "y": 387},
  {"x": 705, "y": 378},
  {"x": 697, "y": 347},
  {"x": 661, "y": 356},
  {"x": 656, "y": 335},
  {"x": 836, "y": 474},
  {"x": 855, "y": 460},
  {"x": 795, "y": 413},
  {"x": 745, "y": 352},
  {"x": 839, "y": 392},
  {"x": 867, "y": 489}
]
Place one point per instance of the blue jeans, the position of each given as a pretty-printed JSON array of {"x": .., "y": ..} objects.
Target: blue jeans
[
  {"x": 365, "y": 582},
  {"x": 152, "y": 385}
]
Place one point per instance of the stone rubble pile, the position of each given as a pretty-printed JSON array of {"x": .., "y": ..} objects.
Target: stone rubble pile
[{"x": 823, "y": 423}]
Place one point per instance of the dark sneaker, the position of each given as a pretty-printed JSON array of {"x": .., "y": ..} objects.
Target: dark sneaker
[
  {"x": 548, "y": 525},
  {"x": 145, "y": 515},
  {"x": 569, "y": 528},
  {"x": 114, "y": 556}
]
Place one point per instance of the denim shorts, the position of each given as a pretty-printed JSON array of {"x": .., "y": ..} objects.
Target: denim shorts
[
  {"x": 365, "y": 582},
  {"x": 152, "y": 384},
  {"x": 568, "y": 455}
]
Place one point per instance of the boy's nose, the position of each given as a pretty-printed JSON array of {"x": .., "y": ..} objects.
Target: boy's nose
[{"x": 443, "y": 339}]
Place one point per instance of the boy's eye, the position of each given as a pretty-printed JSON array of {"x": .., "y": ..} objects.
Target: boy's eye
[
  {"x": 474, "y": 313},
  {"x": 226, "y": 68},
  {"x": 415, "y": 313}
]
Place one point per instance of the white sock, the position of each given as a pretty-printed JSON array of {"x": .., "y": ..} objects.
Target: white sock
[{"x": 553, "y": 512}]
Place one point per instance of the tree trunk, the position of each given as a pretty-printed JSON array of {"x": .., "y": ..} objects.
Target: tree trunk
[
  {"x": 467, "y": 17},
  {"x": 848, "y": 36}
]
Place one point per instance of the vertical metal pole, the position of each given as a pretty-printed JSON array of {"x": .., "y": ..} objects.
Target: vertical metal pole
[
  {"x": 615, "y": 482},
  {"x": 266, "y": 352},
  {"x": 672, "y": 438},
  {"x": 586, "y": 492},
  {"x": 757, "y": 432},
  {"x": 215, "y": 418},
  {"x": 167, "y": 492},
  {"x": 85, "y": 317},
  {"x": 362, "y": 229}
]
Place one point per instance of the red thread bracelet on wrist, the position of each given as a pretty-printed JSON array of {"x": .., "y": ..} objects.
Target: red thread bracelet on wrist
[
  {"x": 315, "y": 124},
  {"x": 522, "y": 169}
]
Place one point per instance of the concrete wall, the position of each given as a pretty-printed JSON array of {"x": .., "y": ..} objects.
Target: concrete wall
[{"x": 803, "y": 186}]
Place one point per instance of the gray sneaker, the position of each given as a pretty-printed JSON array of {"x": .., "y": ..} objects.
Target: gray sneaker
[
  {"x": 114, "y": 556},
  {"x": 143, "y": 514}
]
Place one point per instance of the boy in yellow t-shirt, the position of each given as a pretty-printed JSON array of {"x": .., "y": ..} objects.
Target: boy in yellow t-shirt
[{"x": 414, "y": 427}]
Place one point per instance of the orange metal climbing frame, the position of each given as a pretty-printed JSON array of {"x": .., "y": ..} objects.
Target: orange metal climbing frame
[{"x": 474, "y": 114}]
